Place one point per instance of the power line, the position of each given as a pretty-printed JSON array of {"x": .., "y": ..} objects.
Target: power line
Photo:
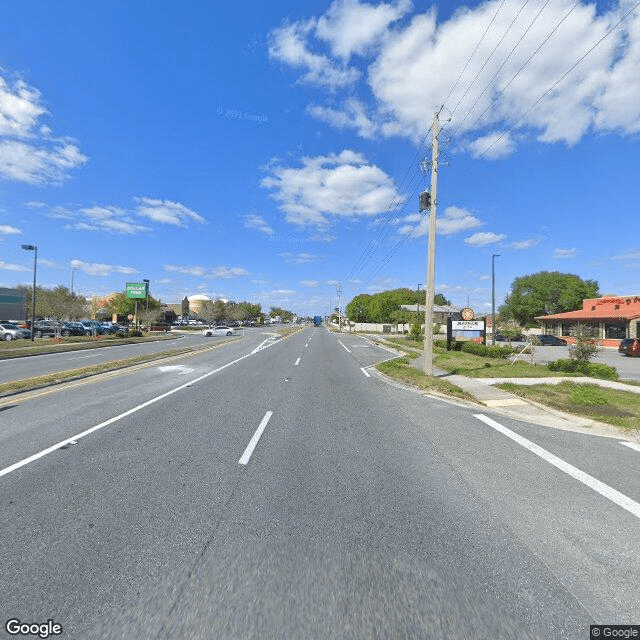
[{"x": 560, "y": 79}]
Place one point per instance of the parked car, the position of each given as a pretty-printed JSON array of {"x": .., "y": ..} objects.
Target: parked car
[
  {"x": 632, "y": 348},
  {"x": 42, "y": 328},
  {"x": 624, "y": 343},
  {"x": 107, "y": 327},
  {"x": 218, "y": 331},
  {"x": 9, "y": 331},
  {"x": 549, "y": 340},
  {"x": 71, "y": 329},
  {"x": 91, "y": 327},
  {"x": 501, "y": 338}
]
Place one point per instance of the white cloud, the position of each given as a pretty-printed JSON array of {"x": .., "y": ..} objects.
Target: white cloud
[
  {"x": 562, "y": 254},
  {"x": 7, "y": 266},
  {"x": 483, "y": 238},
  {"x": 288, "y": 46},
  {"x": 337, "y": 185},
  {"x": 7, "y": 230},
  {"x": 454, "y": 220},
  {"x": 254, "y": 221},
  {"x": 412, "y": 65},
  {"x": 111, "y": 219},
  {"x": 492, "y": 146},
  {"x": 212, "y": 273},
  {"x": 634, "y": 254},
  {"x": 28, "y": 151},
  {"x": 100, "y": 269},
  {"x": 312, "y": 284},
  {"x": 167, "y": 212},
  {"x": 352, "y": 28},
  {"x": 352, "y": 115},
  {"x": 299, "y": 258},
  {"x": 529, "y": 243}
]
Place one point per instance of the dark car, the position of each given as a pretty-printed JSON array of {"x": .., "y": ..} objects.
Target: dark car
[
  {"x": 624, "y": 343},
  {"x": 72, "y": 329},
  {"x": 42, "y": 328},
  {"x": 549, "y": 340},
  {"x": 632, "y": 348},
  {"x": 91, "y": 327}
]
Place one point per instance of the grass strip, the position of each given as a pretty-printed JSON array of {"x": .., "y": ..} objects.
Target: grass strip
[
  {"x": 612, "y": 406},
  {"x": 401, "y": 369}
]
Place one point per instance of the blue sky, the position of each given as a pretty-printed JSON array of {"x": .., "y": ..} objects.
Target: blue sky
[{"x": 252, "y": 151}]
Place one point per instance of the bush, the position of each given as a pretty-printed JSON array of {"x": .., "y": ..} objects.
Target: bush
[
  {"x": 135, "y": 333},
  {"x": 416, "y": 332},
  {"x": 591, "y": 369},
  {"x": 485, "y": 351}
]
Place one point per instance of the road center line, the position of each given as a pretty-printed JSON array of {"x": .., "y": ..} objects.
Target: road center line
[
  {"x": 603, "y": 489},
  {"x": 246, "y": 456},
  {"x": 366, "y": 373},
  {"x": 297, "y": 362},
  {"x": 55, "y": 447},
  {"x": 345, "y": 348}
]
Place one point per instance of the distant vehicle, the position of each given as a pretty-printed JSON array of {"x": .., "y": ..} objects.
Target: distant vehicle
[
  {"x": 501, "y": 338},
  {"x": 91, "y": 326},
  {"x": 317, "y": 321},
  {"x": 72, "y": 329},
  {"x": 218, "y": 331},
  {"x": 624, "y": 343},
  {"x": 9, "y": 331},
  {"x": 549, "y": 340},
  {"x": 632, "y": 348},
  {"x": 43, "y": 328},
  {"x": 107, "y": 327}
]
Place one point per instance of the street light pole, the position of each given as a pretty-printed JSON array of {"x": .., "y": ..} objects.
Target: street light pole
[
  {"x": 420, "y": 285},
  {"x": 34, "y": 248},
  {"x": 73, "y": 270},
  {"x": 493, "y": 297},
  {"x": 146, "y": 296}
]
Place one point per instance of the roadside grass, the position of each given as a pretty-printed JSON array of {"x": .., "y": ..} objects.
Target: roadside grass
[
  {"x": 618, "y": 408},
  {"x": 401, "y": 369}
]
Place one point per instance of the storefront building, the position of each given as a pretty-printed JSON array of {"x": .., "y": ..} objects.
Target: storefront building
[{"x": 612, "y": 318}]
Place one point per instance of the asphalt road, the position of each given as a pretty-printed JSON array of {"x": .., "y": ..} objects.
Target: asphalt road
[
  {"x": 364, "y": 510},
  {"x": 22, "y": 368}
]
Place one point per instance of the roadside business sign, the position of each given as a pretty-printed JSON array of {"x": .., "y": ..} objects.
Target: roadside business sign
[
  {"x": 465, "y": 330},
  {"x": 136, "y": 290}
]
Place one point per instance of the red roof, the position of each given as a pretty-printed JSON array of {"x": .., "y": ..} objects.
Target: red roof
[{"x": 609, "y": 308}]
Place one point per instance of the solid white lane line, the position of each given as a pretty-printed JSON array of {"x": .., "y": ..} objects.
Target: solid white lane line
[
  {"x": 600, "y": 487},
  {"x": 345, "y": 348},
  {"x": 366, "y": 373},
  {"x": 246, "y": 456},
  {"x": 632, "y": 445},
  {"x": 297, "y": 362},
  {"x": 55, "y": 447}
]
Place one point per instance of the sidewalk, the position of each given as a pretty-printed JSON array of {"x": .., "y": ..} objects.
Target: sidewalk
[{"x": 517, "y": 408}]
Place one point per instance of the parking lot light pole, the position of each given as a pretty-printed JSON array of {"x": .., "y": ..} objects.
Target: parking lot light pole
[
  {"x": 146, "y": 296},
  {"x": 34, "y": 248}
]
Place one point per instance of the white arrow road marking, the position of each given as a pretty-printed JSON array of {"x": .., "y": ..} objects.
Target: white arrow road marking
[
  {"x": 180, "y": 368},
  {"x": 366, "y": 373}
]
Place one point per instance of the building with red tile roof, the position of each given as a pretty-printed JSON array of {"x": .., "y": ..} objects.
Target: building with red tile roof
[{"x": 612, "y": 317}]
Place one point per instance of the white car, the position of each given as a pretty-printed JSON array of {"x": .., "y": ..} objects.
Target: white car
[{"x": 218, "y": 331}]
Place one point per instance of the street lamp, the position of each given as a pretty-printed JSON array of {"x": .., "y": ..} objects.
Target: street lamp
[
  {"x": 493, "y": 297},
  {"x": 420, "y": 285},
  {"x": 34, "y": 248},
  {"x": 73, "y": 270}
]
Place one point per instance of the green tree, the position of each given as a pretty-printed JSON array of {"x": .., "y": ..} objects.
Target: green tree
[
  {"x": 544, "y": 293},
  {"x": 386, "y": 306}
]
